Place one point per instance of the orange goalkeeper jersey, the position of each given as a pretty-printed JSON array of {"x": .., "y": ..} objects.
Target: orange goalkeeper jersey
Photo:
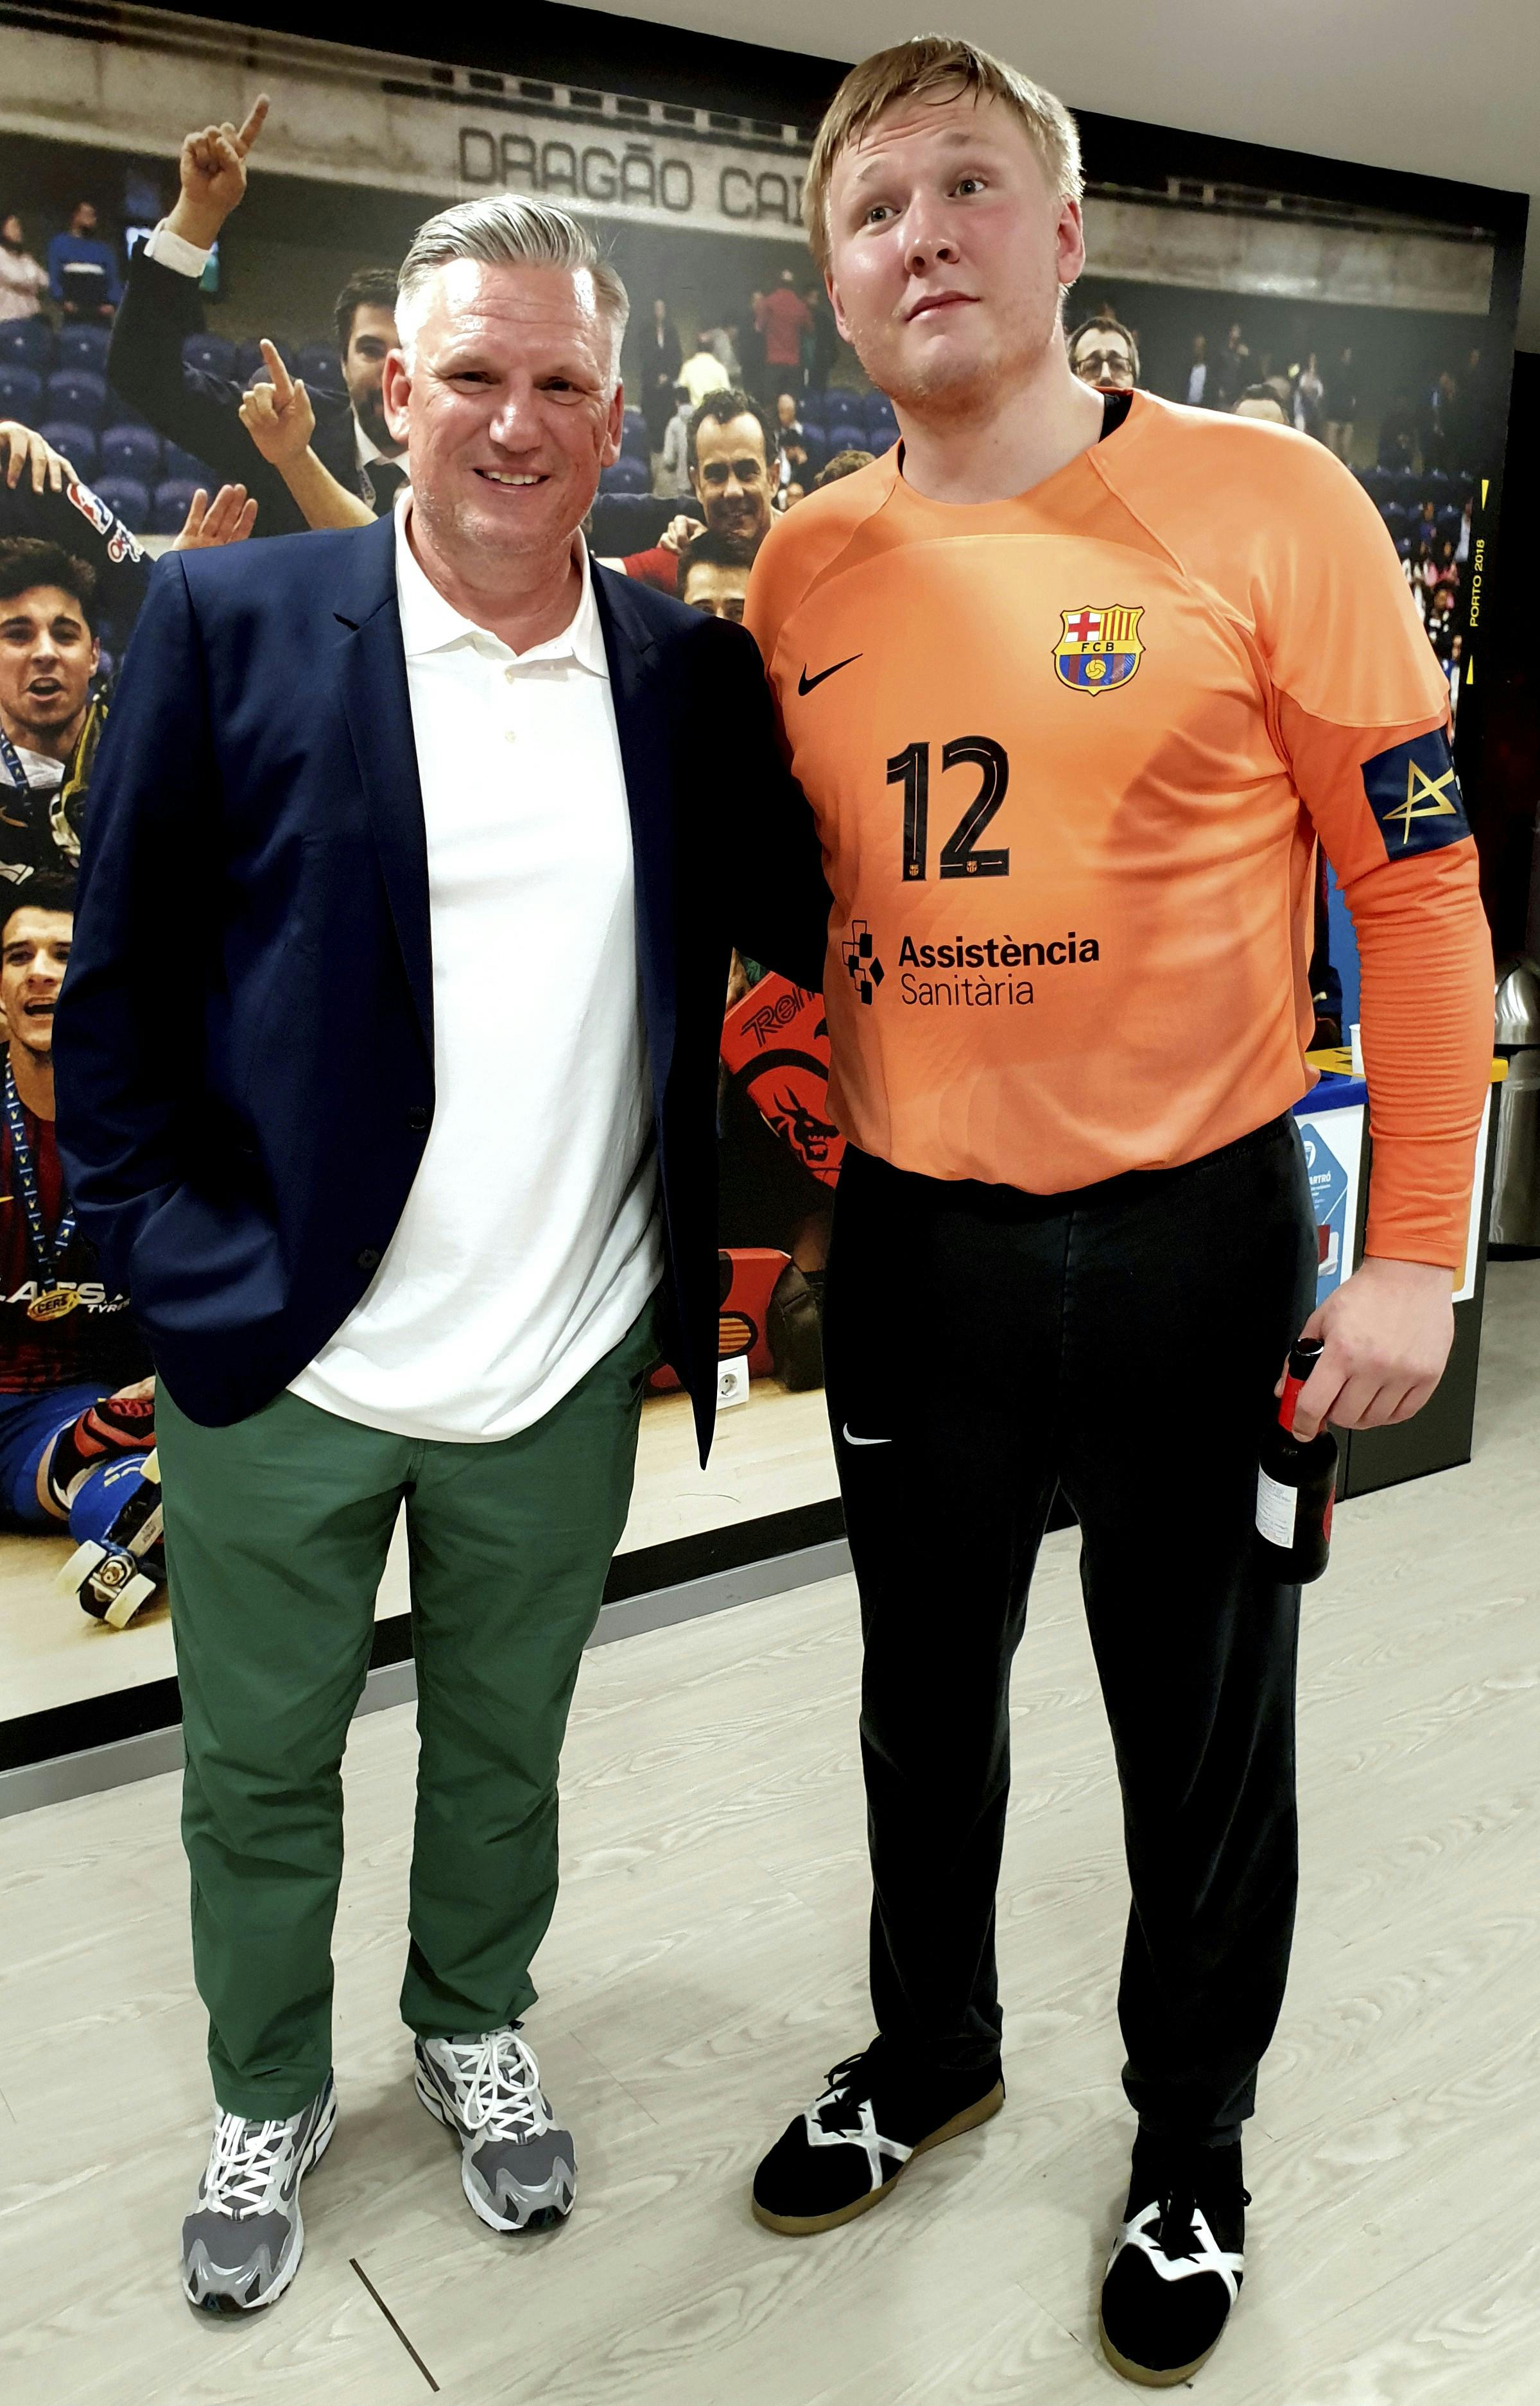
[{"x": 1070, "y": 755}]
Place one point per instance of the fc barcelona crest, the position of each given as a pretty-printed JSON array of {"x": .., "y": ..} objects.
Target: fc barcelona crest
[{"x": 1099, "y": 648}]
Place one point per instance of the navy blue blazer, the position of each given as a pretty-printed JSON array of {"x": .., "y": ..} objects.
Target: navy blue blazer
[{"x": 244, "y": 1045}]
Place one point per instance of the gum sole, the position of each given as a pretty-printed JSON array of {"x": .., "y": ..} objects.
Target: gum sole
[
  {"x": 1141, "y": 2375},
  {"x": 794, "y": 2226}
]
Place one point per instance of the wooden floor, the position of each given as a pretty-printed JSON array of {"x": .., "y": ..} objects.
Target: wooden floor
[{"x": 705, "y": 1968}]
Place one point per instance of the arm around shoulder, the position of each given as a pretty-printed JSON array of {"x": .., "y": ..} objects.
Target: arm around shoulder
[{"x": 777, "y": 896}]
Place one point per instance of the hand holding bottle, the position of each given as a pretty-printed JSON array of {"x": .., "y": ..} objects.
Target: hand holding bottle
[{"x": 1385, "y": 1334}]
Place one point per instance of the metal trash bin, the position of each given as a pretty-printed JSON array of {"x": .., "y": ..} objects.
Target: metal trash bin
[{"x": 1516, "y": 1172}]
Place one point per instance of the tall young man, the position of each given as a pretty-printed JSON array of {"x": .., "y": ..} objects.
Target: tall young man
[{"x": 1075, "y": 684}]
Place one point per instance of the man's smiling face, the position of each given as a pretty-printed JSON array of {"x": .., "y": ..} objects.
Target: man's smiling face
[
  {"x": 948, "y": 250},
  {"x": 510, "y": 407}
]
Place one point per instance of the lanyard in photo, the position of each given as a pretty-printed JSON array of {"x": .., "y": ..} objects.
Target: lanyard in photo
[
  {"x": 52, "y": 1300},
  {"x": 10, "y": 762}
]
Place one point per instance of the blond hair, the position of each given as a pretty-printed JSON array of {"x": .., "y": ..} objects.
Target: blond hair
[{"x": 935, "y": 67}]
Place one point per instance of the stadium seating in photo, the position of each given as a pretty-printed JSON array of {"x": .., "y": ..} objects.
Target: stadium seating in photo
[
  {"x": 170, "y": 502},
  {"x": 27, "y": 343},
  {"x": 213, "y": 353},
  {"x": 82, "y": 347},
  {"x": 128, "y": 498},
  {"x": 621, "y": 523},
  {"x": 21, "y": 392},
  {"x": 130, "y": 452},
  {"x": 626, "y": 475},
  {"x": 80, "y": 393},
  {"x": 318, "y": 364},
  {"x": 78, "y": 443}
]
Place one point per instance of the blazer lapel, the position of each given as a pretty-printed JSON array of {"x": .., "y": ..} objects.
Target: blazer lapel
[
  {"x": 371, "y": 675},
  {"x": 642, "y": 725}
]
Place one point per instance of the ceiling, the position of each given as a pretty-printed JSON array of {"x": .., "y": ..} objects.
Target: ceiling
[{"x": 1445, "y": 89}]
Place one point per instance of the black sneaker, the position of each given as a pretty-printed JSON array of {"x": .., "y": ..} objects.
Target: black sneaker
[
  {"x": 1176, "y": 2268},
  {"x": 848, "y": 2150}
]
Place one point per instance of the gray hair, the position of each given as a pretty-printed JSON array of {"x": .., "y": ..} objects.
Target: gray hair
[{"x": 505, "y": 230}]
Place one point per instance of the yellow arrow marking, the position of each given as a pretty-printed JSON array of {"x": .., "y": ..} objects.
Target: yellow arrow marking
[
  {"x": 1425, "y": 799},
  {"x": 1486, "y": 488}
]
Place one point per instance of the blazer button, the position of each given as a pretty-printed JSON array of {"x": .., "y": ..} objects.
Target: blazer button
[
  {"x": 368, "y": 1259},
  {"x": 416, "y": 1118}
]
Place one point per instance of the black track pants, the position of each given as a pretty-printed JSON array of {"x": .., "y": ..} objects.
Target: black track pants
[{"x": 983, "y": 1347}]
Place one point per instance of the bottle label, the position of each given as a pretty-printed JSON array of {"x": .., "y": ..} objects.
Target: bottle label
[{"x": 1277, "y": 1508}]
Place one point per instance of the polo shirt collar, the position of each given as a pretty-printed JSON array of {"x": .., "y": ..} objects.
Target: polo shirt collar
[{"x": 429, "y": 623}]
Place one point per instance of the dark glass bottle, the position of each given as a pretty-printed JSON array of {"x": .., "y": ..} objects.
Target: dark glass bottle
[{"x": 1296, "y": 1483}]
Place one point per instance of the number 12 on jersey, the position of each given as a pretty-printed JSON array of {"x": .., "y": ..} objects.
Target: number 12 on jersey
[{"x": 959, "y": 856}]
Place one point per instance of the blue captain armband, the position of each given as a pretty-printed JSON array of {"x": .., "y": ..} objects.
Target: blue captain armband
[{"x": 1415, "y": 796}]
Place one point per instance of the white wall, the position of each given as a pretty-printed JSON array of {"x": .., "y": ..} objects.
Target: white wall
[{"x": 1444, "y": 86}]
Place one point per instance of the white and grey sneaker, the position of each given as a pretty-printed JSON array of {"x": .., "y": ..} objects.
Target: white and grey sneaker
[
  {"x": 242, "y": 2243},
  {"x": 518, "y": 2166}
]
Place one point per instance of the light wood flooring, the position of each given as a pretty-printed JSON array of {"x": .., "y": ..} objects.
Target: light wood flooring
[{"x": 705, "y": 1967}]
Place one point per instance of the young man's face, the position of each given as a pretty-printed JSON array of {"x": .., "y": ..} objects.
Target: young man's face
[
  {"x": 84, "y": 219},
  {"x": 732, "y": 481},
  {"x": 34, "y": 956},
  {"x": 48, "y": 658},
  {"x": 510, "y": 406},
  {"x": 948, "y": 250},
  {"x": 369, "y": 345},
  {"x": 716, "y": 589}
]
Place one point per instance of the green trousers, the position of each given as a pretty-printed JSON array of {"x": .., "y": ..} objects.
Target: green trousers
[{"x": 277, "y": 1534}]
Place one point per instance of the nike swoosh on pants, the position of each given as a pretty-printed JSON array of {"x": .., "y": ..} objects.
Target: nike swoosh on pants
[{"x": 851, "y": 1439}]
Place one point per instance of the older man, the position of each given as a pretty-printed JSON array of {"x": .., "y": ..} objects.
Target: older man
[{"x": 439, "y": 1186}]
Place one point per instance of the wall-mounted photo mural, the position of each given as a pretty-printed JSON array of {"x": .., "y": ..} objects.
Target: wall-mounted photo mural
[{"x": 166, "y": 333}]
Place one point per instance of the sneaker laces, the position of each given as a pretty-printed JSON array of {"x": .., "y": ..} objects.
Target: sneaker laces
[
  {"x": 840, "y": 2107},
  {"x": 1174, "y": 2232},
  {"x": 501, "y": 2079},
  {"x": 242, "y": 2162}
]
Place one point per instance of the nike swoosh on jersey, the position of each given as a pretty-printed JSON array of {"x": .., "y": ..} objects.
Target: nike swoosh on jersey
[
  {"x": 850, "y": 1438},
  {"x": 805, "y": 684}
]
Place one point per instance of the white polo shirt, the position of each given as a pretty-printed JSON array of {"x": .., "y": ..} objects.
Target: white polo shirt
[{"x": 531, "y": 1238}]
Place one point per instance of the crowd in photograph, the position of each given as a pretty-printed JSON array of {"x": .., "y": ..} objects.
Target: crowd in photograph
[
  {"x": 126, "y": 425},
  {"x": 1418, "y": 462}
]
